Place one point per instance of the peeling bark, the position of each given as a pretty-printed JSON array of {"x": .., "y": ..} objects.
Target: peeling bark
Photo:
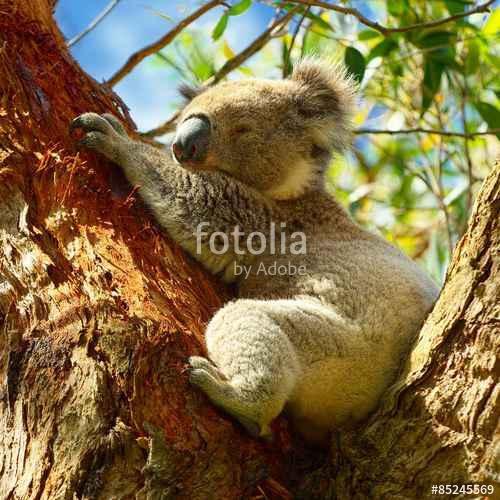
[{"x": 99, "y": 311}]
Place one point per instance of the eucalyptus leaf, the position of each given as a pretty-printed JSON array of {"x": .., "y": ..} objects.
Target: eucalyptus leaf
[
  {"x": 396, "y": 7},
  {"x": 490, "y": 114},
  {"x": 455, "y": 6},
  {"x": 220, "y": 27},
  {"x": 433, "y": 71},
  {"x": 382, "y": 49},
  {"x": 368, "y": 35},
  {"x": 355, "y": 63},
  {"x": 434, "y": 39},
  {"x": 239, "y": 8},
  {"x": 473, "y": 57}
]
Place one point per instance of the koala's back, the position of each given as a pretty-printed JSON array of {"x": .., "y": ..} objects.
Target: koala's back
[
  {"x": 360, "y": 274},
  {"x": 382, "y": 298}
]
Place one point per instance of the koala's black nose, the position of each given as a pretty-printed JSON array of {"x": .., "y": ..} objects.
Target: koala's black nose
[{"x": 191, "y": 139}]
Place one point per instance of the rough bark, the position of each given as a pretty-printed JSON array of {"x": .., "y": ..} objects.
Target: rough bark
[{"x": 99, "y": 312}]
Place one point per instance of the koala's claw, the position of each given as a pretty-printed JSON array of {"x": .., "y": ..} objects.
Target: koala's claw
[
  {"x": 91, "y": 122},
  {"x": 201, "y": 378},
  {"x": 197, "y": 362},
  {"x": 92, "y": 140},
  {"x": 103, "y": 134},
  {"x": 204, "y": 375},
  {"x": 115, "y": 123}
]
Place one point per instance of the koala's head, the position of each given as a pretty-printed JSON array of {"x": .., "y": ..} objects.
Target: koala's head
[{"x": 274, "y": 135}]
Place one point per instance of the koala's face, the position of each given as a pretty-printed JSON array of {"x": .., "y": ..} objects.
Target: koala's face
[{"x": 276, "y": 136}]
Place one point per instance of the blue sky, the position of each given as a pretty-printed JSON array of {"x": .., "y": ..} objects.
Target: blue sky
[{"x": 149, "y": 90}]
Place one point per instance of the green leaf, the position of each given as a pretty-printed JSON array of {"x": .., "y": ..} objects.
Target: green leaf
[
  {"x": 430, "y": 39},
  {"x": 239, "y": 8},
  {"x": 446, "y": 56},
  {"x": 246, "y": 71},
  {"x": 456, "y": 6},
  {"x": 490, "y": 114},
  {"x": 220, "y": 27},
  {"x": 433, "y": 71},
  {"x": 287, "y": 63},
  {"x": 472, "y": 58},
  {"x": 397, "y": 69},
  {"x": 492, "y": 25},
  {"x": 382, "y": 49},
  {"x": 440, "y": 46},
  {"x": 355, "y": 63},
  {"x": 319, "y": 21},
  {"x": 368, "y": 35},
  {"x": 397, "y": 7}
]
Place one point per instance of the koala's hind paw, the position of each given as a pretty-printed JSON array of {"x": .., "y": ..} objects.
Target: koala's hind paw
[
  {"x": 197, "y": 362},
  {"x": 203, "y": 374}
]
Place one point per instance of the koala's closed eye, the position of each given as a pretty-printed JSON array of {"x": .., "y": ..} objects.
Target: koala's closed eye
[{"x": 241, "y": 129}]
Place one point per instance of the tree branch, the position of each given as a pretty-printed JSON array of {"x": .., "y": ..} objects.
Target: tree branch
[
  {"x": 94, "y": 22},
  {"x": 384, "y": 29},
  {"x": 140, "y": 55},
  {"x": 229, "y": 66},
  {"x": 362, "y": 131},
  {"x": 252, "y": 49},
  {"x": 286, "y": 63},
  {"x": 463, "y": 105}
]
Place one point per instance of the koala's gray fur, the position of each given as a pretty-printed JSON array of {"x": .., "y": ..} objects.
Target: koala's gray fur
[{"x": 326, "y": 343}]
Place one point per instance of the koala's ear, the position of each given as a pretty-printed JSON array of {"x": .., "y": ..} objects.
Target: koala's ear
[
  {"x": 328, "y": 81},
  {"x": 189, "y": 92},
  {"x": 328, "y": 94}
]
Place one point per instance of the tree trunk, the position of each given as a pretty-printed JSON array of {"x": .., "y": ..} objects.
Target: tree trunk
[{"x": 100, "y": 311}]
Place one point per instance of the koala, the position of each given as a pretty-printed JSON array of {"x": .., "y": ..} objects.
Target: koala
[{"x": 323, "y": 343}]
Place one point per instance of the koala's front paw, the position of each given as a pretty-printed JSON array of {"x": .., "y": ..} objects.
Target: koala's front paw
[{"x": 104, "y": 134}]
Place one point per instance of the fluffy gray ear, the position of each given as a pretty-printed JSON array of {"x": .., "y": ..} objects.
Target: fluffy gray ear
[
  {"x": 326, "y": 79},
  {"x": 189, "y": 92},
  {"x": 326, "y": 92}
]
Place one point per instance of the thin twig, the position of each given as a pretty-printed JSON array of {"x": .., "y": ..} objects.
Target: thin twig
[
  {"x": 286, "y": 65},
  {"x": 386, "y": 30},
  {"x": 466, "y": 145},
  {"x": 140, "y": 55},
  {"x": 446, "y": 133},
  {"x": 94, "y": 22},
  {"x": 252, "y": 49},
  {"x": 440, "y": 195},
  {"x": 230, "y": 65}
]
